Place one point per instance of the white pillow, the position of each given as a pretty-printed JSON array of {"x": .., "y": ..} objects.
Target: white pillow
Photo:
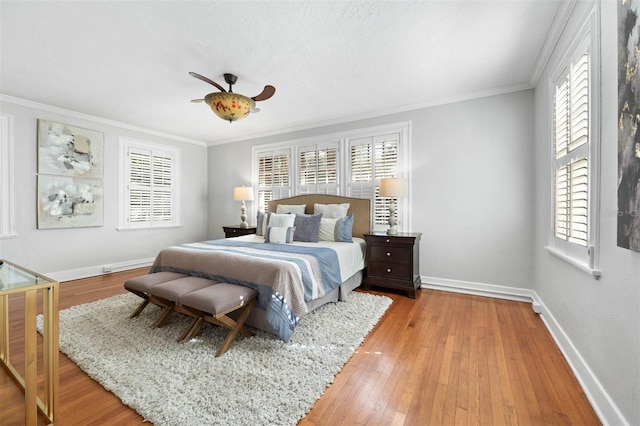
[
  {"x": 340, "y": 229},
  {"x": 281, "y": 220},
  {"x": 331, "y": 211},
  {"x": 290, "y": 208},
  {"x": 327, "y": 227},
  {"x": 279, "y": 234}
]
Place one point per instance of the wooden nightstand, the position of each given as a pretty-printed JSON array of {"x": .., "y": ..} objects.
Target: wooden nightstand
[
  {"x": 236, "y": 231},
  {"x": 393, "y": 261}
]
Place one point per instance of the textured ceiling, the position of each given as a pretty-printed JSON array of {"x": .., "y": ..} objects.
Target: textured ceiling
[{"x": 329, "y": 61}]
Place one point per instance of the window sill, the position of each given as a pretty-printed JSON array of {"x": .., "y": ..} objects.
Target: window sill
[
  {"x": 595, "y": 273},
  {"x": 147, "y": 228}
]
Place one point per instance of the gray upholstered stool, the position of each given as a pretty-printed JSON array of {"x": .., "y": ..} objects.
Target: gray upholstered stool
[
  {"x": 169, "y": 293},
  {"x": 211, "y": 304},
  {"x": 140, "y": 286}
]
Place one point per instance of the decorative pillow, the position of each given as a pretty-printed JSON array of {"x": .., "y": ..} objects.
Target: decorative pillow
[
  {"x": 291, "y": 208},
  {"x": 279, "y": 234},
  {"x": 340, "y": 230},
  {"x": 331, "y": 211},
  {"x": 285, "y": 220},
  {"x": 307, "y": 227},
  {"x": 261, "y": 222}
]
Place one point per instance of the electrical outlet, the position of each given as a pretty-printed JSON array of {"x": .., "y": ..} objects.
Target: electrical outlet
[{"x": 107, "y": 268}]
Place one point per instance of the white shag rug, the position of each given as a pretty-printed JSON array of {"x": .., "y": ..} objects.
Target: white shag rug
[{"x": 258, "y": 381}]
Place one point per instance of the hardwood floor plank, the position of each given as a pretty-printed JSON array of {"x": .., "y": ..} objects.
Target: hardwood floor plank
[{"x": 442, "y": 358}]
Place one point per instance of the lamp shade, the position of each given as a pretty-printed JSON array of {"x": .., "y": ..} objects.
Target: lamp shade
[
  {"x": 230, "y": 106},
  {"x": 242, "y": 193},
  {"x": 393, "y": 187}
]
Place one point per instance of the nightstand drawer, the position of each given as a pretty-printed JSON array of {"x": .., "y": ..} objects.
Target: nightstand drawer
[
  {"x": 237, "y": 231},
  {"x": 400, "y": 271},
  {"x": 394, "y": 254}
]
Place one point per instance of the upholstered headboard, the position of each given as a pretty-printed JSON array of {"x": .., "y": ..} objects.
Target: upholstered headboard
[{"x": 360, "y": 207}]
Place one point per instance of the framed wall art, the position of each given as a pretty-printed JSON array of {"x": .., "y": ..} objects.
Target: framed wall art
[
  {"x": 69, "y": 202},
  {"x": 70, "y": 176},
  {"x": 69, "y": 150},
  {"x": 628, "y": 121}
]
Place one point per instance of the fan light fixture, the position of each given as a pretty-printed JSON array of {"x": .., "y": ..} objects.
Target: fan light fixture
[{"x": 228, "y": 105}]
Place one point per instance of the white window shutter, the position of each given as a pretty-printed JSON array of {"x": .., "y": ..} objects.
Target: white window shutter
[{"x": 571, "y": 127}]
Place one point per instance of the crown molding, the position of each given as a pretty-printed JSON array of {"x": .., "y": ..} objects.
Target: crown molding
[
  {"x": 93, "y": 118},
  {"x": 557, "y": 27}
]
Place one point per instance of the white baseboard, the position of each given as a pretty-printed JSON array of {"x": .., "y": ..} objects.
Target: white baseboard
[
  {"x": 92, "y": 271},
  {"x": 600, "y": 400},
  {"x": 478, "y": 289}
]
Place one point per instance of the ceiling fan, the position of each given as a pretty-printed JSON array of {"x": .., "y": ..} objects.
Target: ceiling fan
[{"x": 228, "y": 105}]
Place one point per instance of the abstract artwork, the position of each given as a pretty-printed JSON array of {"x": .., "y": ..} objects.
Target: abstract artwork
[
  {"x": 70, "y": 171},
  {"x": 68, "y": 150},
  {"x": 69, "y": 202},
  {"x": 628, "y": 121}
]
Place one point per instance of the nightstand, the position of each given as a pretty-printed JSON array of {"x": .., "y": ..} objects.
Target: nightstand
[
  {"x": 393, "y": 261},
  {"x": 236, "y": 231}
]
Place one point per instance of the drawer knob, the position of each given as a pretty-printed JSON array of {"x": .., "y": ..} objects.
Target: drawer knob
[
  {"x": 388, "y": 253},
  {"x": 389, "y": 270},
  {"x": 388, "y": 240}
]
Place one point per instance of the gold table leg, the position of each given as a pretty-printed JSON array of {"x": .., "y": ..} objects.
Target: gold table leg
[
  {"x": 4, "y": 328},
  {"x": 30, "y": 358},
  {"x": 51, "y": 356}
]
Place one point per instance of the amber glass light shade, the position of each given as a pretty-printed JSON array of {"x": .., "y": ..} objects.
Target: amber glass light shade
[{"x": 230, "y": 106}]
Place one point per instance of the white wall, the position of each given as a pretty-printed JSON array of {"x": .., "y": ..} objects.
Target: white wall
[
  {"x": 75, "y": 253},
  {"x": 600, "y": 317},
  {"x": 471, "y": 174}
]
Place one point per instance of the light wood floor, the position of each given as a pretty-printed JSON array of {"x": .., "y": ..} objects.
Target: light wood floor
[{"x": 442, "y": 359}]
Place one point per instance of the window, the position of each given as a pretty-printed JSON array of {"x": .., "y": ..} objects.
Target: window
[
  {"x": 150, "y": 195},
  {"x": 575, "y": 154},
  {"x": 318, "y": 169},
  {"x": 7, "y": 224},
  {"x": 372, "y": 159},
  {"x": 572, "y": 154},
  {"x": 349, "y": 164},
  {"x": 273, "y": 177}
]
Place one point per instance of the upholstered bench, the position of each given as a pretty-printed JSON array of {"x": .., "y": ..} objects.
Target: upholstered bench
[
  {"x": 169, "y": 293},
  {"x": 212, "y": 304},
  {"x": 140, "y": 286}
]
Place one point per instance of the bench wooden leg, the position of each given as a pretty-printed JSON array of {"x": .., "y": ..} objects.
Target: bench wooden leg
[
  {"x": 236, "y": 327},
  {"x": 163, "y": 317},
  {"x": 139, "y": 309},
  {"x": 194, "y": 327}
]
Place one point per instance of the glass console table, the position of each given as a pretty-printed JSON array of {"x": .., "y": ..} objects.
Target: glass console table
[{"x": 16, "y": 279}]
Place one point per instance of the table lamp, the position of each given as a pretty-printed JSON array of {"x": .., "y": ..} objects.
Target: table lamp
[
  {"x": 393, "y": 188},
  {"x": 243, "y": 193}
]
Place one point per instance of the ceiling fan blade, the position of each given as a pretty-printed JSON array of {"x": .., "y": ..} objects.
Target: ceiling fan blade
[
  {"x": 266, "y": 93},
  {"x": 206, "y": 80},
  {"x": 197, "y": 101}
]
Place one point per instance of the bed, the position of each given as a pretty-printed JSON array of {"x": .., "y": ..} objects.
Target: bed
[{"x": 292, "y": 278}]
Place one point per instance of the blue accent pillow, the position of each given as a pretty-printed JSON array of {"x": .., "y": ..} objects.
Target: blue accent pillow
[
  {"x": 261, "y": 222},
  {"x": 307, "y": 227},
  {"x": 344, "y": 229}
]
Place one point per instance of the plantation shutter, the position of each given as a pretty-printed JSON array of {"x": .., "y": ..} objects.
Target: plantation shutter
[
  {"x": 372, "y": 159},
  {"x": 318, "y": 169},
  {"x": 273, "y": 177},
  {"x": 571, "y": 126},
  {"x": 150, "y": 188}
]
